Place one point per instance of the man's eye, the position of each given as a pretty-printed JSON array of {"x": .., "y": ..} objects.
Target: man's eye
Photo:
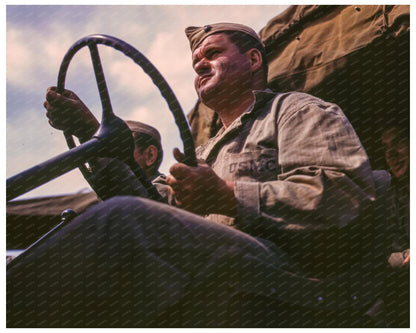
[{"x": 212, "y": 53}]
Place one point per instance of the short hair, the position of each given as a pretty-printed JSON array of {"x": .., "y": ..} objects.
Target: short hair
[
  {"x": 245, "y": 42},
  {"x": 143, "y": 140}
]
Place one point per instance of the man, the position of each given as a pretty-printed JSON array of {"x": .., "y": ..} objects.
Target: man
[
  {"x": 395, "y": 141},
  {"x": 148, "y": 151},
  {"x": 284, "y": 186}
]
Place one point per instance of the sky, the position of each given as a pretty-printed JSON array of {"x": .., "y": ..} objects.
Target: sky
[{"x": 37, "y": 38}]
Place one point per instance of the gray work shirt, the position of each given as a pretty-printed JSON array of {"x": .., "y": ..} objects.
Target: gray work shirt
[{"x": 301, "y": 174}]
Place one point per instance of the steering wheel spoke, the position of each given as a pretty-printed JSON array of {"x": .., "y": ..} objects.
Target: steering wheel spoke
[{"x": 100, "y": 78}]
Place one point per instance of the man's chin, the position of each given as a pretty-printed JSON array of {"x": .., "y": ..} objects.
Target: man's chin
[
  {"x": 206, "y": 95},
  {"x": 399, "y": 172}
]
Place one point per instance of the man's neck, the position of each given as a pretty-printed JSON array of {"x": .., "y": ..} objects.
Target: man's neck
[{"x": 228, "y": 112}]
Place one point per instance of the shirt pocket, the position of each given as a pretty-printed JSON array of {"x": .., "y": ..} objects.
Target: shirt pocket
[{"x": 258, "y": 165}]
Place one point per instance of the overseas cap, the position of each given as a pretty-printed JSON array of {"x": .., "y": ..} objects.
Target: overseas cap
[
  {"x": 138, "y": 127},
  {"x": 197, "y": 34}
]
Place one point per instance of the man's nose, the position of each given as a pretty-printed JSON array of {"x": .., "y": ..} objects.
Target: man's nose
[
  {"x": 202, "y": 66},
  {"x": 391, "y": 153}
]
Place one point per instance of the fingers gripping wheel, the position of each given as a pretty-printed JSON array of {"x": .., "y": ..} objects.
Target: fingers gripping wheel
[{"x": 113, "y": 132}]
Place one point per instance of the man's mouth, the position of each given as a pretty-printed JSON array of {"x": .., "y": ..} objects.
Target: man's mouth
[
  {"x": 398, "y": 167},
  {"x": 203, "y": 79}
]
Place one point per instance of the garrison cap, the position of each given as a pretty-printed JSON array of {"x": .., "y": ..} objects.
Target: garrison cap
[
  {"x": 197, "y": 34},
  {"x": 138, "y": 127}
]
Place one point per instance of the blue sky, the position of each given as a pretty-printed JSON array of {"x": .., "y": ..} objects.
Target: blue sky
[{"x": 37, "y": 38}]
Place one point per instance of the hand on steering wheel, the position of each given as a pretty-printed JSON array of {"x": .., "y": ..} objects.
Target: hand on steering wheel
[{"x": 68, "y": 113}]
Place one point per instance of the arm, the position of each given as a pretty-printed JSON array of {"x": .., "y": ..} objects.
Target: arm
[
  {"x": 68, "y": 113},
  {"x": 324, "y": 176},
  {"x": 324, "y": 173},
  {"x": 108, "y": 177},
  {"x": 317, "y": 207}
]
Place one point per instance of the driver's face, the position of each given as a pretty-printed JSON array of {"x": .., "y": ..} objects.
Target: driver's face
[{"x": 221, "y": 70}]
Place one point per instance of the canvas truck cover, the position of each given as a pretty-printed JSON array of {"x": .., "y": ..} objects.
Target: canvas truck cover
[
  {"x": 354, "y": 56},
  {"x": 29, "y": 219},
  {"x": 307, "y": 43}
]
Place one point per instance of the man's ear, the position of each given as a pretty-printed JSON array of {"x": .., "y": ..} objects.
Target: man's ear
[
  {"x": 151, "y": 153},
  {"x": 255, "y": 58}
]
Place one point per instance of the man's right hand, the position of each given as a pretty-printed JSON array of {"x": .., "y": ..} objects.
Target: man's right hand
[{"x": 67, "y": 112}]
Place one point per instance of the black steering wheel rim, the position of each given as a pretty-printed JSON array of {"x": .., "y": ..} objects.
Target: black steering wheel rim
[
  {"x": 92, "y": 41},
  {"x": 150, "y": 70}
]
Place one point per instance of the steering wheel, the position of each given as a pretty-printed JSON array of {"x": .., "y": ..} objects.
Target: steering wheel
[{"x": 113, "y": 132}]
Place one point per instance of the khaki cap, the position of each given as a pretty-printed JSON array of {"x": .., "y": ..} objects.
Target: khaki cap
[
  {"x": 138, "y": 127},
  {"x": 197, "y": 34}
]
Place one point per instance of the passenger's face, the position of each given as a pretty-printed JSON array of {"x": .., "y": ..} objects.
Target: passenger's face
[
  {"x": 221, "y": 70},
  {"x": 140, "y": 158},
  {"x": 396, "y": 153}
]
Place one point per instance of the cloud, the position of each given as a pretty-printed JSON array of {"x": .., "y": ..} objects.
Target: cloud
[
  {"x": 33, "y": 145},
  {"x": 126, "y": 75},
  {"x": 70, "y": 182},
  {"x": 17, "y": 56},
  {"x": 176, "y": 68}
]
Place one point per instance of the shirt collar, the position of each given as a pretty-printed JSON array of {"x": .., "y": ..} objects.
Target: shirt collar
[{"x": 260, "y": 98}]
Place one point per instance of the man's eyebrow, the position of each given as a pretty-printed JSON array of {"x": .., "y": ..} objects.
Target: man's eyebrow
[
  {"x": 209, "y": 47},
  {"x": 199, "y": 53},
  {"x": 195, "y": 58}
]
